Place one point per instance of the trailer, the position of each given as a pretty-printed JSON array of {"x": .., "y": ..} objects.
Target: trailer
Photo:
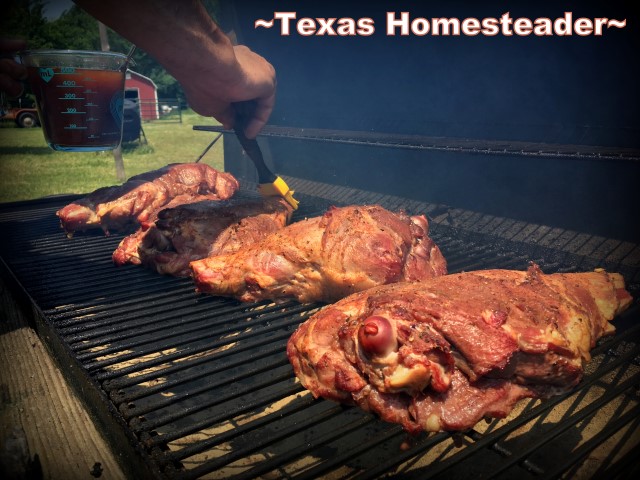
[{"x": 24, "y": 117}]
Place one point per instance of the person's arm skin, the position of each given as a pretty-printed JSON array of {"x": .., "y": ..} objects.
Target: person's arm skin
[{"x": 182, "y": 36}]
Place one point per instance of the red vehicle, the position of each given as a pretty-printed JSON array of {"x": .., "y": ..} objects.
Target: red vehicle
[{"x": 24, "y": 117}]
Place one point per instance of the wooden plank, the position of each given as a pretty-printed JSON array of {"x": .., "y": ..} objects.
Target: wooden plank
[{"x": 45, "y": 432}]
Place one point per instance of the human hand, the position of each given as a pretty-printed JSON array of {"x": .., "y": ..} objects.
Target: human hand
[
  {"x": 11, "y": 72},
  {"x": 260, "y": 88},
  {"x": 252, "y": 79}
]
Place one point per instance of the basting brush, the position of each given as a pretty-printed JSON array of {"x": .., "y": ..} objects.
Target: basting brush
[{"x": 270, "y": 184}]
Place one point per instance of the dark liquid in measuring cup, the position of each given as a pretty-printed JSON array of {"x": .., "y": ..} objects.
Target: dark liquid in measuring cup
[{"x": 80, "y": 109}]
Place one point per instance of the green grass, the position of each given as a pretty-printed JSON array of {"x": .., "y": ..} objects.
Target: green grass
[{"x": 30, "y": 169}]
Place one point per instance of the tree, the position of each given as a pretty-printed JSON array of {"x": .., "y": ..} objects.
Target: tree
[
  {"x": 74, "y": 30},
  {"x": 25, "y": 19},
  {"x": 77, "y": 30}
]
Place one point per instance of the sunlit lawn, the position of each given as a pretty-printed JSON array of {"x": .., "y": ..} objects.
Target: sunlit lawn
[{"x": 30, "y": 169}]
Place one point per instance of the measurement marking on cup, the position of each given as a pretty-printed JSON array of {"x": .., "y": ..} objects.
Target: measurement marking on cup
[
  {"x": 83, "y": 95},
  {"x": 69, "y": 84},
  {"x": 70, "y": 96}
]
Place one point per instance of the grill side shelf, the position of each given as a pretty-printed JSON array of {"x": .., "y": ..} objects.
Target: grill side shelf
[{"x": 445, "y": 144}]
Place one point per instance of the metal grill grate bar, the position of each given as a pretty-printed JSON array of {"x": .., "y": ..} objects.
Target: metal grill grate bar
[
  {"x": 234, "y": 393},
  {"x": 271, "y": 464},
  {"x": 161, "y": 319},
  {"x": 290, "y": 388},
  {"x": 629, "y": 462},
  {"x": 205, "y": 386},
  {"x": 178, "y": 341},
  {"x": 574, "y": 420},
  {"x": 302, "y": 404},
  {"x": 69, "y": 316},
  {"x": 250, "y": 350},
  {"x": 291, "y": 429},
  {"x": 119, "y": 321},
  {"x": 486, "y": 440}
]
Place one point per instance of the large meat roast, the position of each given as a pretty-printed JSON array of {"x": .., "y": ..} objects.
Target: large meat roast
[
  {"x": 444, "y": 353},
  {"x": 189, "y": 232},
  {"x": 348, "y": 249},
  {"x": 139, "y": 199}
]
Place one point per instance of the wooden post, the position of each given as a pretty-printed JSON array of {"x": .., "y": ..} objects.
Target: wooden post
[
  {"x": 104, "y": 39},
  {"x": 117, "y": 153}
]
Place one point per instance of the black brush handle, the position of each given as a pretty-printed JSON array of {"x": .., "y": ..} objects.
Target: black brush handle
[{"x": 244, "y": 111}]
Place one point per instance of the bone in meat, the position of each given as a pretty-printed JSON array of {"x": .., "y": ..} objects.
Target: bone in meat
[
  {"x": 325, "y": 258},
  {"x": 137, "y": 201},
  {"x": 444, "y": 353},
  {"x": 197, "y": 230}
]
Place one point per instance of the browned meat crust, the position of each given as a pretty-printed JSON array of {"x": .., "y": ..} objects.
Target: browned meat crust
[
  {"x": 138, "y": 200},
  {"x": 454, "y": 349},
  {"x": 197, "y": 230},
  {"x": 325, "y": 258}
]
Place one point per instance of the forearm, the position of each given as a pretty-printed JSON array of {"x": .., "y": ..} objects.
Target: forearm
[{"x": 179, "y": 34}]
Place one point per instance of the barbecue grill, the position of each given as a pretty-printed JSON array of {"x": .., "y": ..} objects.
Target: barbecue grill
[
  {"x": 192, "y": 386},
  {"x": 200, "y": 386}
]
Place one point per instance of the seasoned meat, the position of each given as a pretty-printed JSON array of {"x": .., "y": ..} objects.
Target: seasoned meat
[
  {"x": 138, "y": 200},
  {"x": 325, "y": 258},
  {"x": 197, "y": 230},
  {"x": 446, "y": 352}
]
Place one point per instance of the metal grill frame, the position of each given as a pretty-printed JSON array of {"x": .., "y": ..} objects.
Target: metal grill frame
[{"x": 175, "y": 331}]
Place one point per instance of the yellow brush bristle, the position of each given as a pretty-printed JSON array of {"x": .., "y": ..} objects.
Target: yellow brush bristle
[{"x": 279, "y": 188}]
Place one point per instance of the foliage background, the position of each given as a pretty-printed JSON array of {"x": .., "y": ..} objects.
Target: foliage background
[
  {"x": 75, "y": 29},
  {"x": 30, "y": 169}
]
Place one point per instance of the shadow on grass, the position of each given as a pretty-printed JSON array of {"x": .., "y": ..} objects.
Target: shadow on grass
[
  {"x": 126, "y": 148},
  {"x": 44, "y": 150}
]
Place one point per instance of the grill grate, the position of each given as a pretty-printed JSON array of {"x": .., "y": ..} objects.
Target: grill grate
[{"x": 201, "y": 386}]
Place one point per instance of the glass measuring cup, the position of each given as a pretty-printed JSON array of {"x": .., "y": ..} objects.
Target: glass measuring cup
[{"x": 80, "y": 97}]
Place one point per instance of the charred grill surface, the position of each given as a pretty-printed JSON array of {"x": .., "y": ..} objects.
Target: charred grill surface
[{"x": 200, "y": 386}]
